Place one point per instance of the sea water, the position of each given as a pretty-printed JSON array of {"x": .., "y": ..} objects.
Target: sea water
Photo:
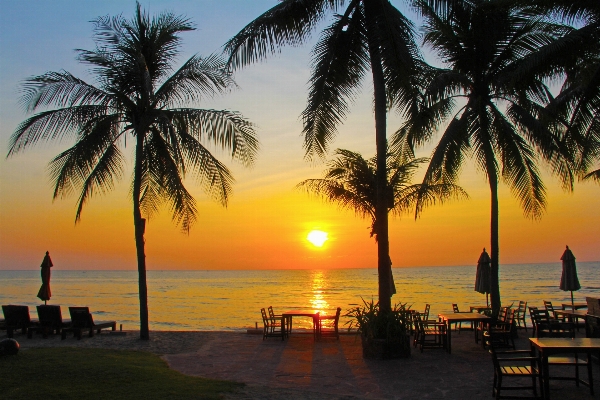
[{"x": 231, "y": 300}]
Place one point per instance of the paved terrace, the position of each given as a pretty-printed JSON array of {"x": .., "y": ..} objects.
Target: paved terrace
[{"x": 299, "y": 368}]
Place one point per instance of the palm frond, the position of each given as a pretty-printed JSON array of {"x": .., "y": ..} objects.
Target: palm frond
[
  {"x": 288, "y": 23},
  {"x": 340, "y": 60}
]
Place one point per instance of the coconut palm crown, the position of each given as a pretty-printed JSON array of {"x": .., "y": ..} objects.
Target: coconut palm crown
[
  {"x": 493, "y": 110},
  {"x": 139, "y": 97}
]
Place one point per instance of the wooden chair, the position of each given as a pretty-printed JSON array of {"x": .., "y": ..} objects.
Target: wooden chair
[
  {"x": 328, "y": 325},
  {"x": 520, "y": 314},
  {"x": 550, "y": 308},
  {"x": 504, "y": 331},
  {"x": 16, "y": 317},
  {"x": 271, "y": 328},
  {"x": 521, "y": 364},
  {"x": 50, "y": 321},
  {"x": 544, "y": 326},
  {"x": 275, "y": 318},
  {"x": 481, "y": 328},
  {"x": 82, "y": 320},
  {"x": 429, "y": 334}
]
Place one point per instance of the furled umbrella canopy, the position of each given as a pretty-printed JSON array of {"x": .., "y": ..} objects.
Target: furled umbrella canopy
[
  {"x": 569, "y": 280},
  {"x": 45, "y": 293},
  {"x": 482, "y": 278}
]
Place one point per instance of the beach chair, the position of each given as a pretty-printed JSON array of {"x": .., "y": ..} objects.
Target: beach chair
[
  {"x": 16, "y": 317},
  {"x": 429, "y": 334},
  {"x": 275, "y": 318},
  {"x": 272, "y": 327},
  {"x": 521, "y": 364},
  {"x": 520, "y": 314},
  {"x": 82, "y": 320},
  {"x": 50, "y": 321},
  {"x": 328, "y": 325}
]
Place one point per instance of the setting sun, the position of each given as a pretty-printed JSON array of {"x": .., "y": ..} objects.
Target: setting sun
[{"x": 317, "y": 238}]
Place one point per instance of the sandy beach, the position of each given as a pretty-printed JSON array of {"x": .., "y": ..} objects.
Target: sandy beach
[{"x": 299, "y": 368}]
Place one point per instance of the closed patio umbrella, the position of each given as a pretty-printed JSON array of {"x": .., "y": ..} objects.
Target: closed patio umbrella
[
  {"x": 569, "y": 280},
  {"x": 45, "y": 293},
  {"x": 482, "y": 278}
]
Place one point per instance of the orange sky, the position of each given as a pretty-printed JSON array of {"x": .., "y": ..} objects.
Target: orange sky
[{"x": 267, "y": 221}]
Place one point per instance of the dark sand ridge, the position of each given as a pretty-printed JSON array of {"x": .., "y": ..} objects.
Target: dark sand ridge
[{"x": 300, "y": 368}]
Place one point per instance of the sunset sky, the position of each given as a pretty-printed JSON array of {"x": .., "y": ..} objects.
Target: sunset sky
[{"x": 267, "y": 221}]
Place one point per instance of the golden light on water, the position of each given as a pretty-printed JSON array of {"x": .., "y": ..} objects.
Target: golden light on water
[
  {"x": 319, "y": 283},
  {"x": 317, "y": 237}
]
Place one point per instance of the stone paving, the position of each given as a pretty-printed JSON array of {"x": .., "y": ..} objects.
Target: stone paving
[{"x": 300, "y": 368}]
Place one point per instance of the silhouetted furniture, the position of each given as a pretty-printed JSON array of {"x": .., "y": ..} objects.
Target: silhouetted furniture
[
  {"x": 481, "y": 328},
  {"x": 550, "y": 308},
  {"x": 82, "y": 320},
  {"x": 513, "y": 364},
  {"x": 278, "y": 318},
  {"x": 314, "y": 314},
  {"x": 548, "y": 347},
  {"x": 520, "y": 314},
  {"x": 17, "y": 317},
  {"x": 328, "y": 325},
  {"x": 479, "y": 320},
  {"x": 544, "y": 326},
  {"x": 503, "y": 331},
  {"x": 272, "y": 327},
  {"x": 50, "y": 321},
  {"x": 459, "y": 324},
  {"x": 429, "y": 334}
]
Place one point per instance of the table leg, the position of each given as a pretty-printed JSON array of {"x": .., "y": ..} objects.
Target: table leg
[
  {"x": 545, "y": 376},
  {"x": 448, "y": 337}
]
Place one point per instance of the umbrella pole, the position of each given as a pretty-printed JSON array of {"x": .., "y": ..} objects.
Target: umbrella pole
[{"x": 572, "y": 302}]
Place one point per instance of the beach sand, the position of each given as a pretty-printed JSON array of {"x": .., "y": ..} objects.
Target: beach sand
[{"x": 300, "y": 368}]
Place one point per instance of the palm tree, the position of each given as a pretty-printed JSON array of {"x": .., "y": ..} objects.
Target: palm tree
[
  {"x": 136, "y": 97},
  {"x": 351, "y": 182},
  {"x": 576, "y": 55},
  {"x": 368, "y": 35},
  {"x": 482, "y": 43}
]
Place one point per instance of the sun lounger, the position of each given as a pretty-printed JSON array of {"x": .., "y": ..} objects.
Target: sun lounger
[
  {"x": 50, "y": 321},
  {"x": 82, "y": 320},
  {"x": 16, "y": 317}
]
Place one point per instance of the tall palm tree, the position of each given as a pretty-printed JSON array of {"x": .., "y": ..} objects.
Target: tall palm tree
[
  {"x": 367, "y": 35},
  {"x": 576, "y": 55},
  {"x": 135, "y": 97},
  {"x": 351, "y": 182},
  {"x": 492, "y": 111}
]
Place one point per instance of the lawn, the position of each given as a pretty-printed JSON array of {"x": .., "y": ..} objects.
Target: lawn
[{"x": 76, "y": 373}]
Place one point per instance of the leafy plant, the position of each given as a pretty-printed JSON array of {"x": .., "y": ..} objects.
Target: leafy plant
[{"x": 372, "y": 323}]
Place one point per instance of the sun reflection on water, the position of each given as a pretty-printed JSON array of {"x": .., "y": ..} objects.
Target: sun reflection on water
[{"x": 319, "y": 286}]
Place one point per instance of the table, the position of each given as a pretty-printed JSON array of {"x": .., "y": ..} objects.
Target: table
[
  {"x": 479, "y": 309},
  {"x": 450, "y": 318},
  {"x": 575, "y": 306},
  {"x": 549, "y": 346},
  {"x": 314, "y": 314}
]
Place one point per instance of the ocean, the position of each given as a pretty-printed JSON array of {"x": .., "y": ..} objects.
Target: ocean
[{"x": 231, "y": 300}]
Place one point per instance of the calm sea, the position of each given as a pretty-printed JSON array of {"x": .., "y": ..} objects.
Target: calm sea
[{"x": 231, "y": 300}]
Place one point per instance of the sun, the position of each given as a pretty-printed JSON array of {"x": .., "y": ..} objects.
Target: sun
[{"x": 317, "y": 238}]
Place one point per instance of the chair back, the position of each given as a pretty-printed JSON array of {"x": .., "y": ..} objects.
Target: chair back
[
  {"x": 455, "y": 308},
  {"x": 503, "y": 314},
  {"x": 271, "y": 313},
  {"x": 426, "y": 312},
  {"x": 81, "y": 317},
  {"x": 16, "y": 316},
  {"x": 549, "y": 308},
  {"x": 522, "y": 309},
  {"x": 49, "y": 315},
  {"x": 264, "y": 317}
]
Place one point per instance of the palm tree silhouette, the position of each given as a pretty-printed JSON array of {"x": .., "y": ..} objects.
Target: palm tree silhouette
[
  {"x": 483, "y": 42},
  {"x": 369, "y": 35},
  {"x": 350, "y": 181},
  {"x": 136, "y": 97}
]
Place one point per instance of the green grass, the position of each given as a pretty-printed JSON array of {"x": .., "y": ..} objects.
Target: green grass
[{"x": 75, "y": 373}]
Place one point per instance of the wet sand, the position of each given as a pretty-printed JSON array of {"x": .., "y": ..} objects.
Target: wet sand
[{"x": 300, "y": 368}]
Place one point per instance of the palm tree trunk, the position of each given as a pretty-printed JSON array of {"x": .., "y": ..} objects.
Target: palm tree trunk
[
  {"x": 140, "y": 227},
  {"x": 495, "y": 265},
  {"x": 381, "y": 211}
]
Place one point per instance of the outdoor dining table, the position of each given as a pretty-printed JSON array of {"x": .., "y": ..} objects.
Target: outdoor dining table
[
  {"x": 549, "y": 346},
  {"x": 450, "y": 318},
  {"x": 575, "y": 306},
  {"x": 479, "y": 308},
  {"x": 314, "y": 314}
]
